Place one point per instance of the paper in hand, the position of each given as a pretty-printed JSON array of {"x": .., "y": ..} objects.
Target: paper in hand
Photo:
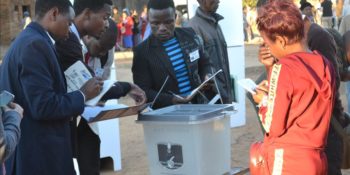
[
  {"x": 196, "y": 90},
  {"x": 77, "y": 75},
  {"x": 248, "y": 84}
]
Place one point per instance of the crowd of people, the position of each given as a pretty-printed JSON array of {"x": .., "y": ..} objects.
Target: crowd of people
[
  {"x": 297, "y": 99},
  {"x": 132, "y": 27}
]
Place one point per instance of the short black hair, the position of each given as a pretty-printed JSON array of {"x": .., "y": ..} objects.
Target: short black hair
[
  {"x": 109, "y": 37},
  {"x": 94, "y": 5},
  {"x": 304, "y": 5},
  {"x": 43, "y": 6},
  {"x": 160, "y": 4}
]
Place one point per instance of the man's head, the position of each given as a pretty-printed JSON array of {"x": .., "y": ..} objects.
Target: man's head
[
  {"x": 145, "y": 9},
  {"x": 92, "y": 16},
  {"x": 100, "y": 47},
  {"x": 115, "y": 10},
  {"x": 55, "y": 16},
  {"x": 26, "y": 14},
  {"x": 161, "y": 16},
  {"x": 126, "y": 13},
  {"x": 306, "y": 9},
  {"x": 209, "y": 6}
]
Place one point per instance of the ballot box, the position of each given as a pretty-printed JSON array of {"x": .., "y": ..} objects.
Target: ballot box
[{"x": 188, "y": 139}]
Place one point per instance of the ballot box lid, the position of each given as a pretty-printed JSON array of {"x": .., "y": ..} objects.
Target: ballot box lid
[{"x": 187, "y": 113}]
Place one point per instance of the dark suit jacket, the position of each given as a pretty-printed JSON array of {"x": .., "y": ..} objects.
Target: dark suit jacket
[
  {"x": 151, "y": 66},
  {"x": 31, "y": 72}
]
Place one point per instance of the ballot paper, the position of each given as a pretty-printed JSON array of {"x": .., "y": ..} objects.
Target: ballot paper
[
  {"x": 107, "y": 84},
  {"x": 111, "y": 111},
  {"x": 77, "y": 75},
  {"x": 196, "y": 90},
  {"x": 248, "y": 84}
]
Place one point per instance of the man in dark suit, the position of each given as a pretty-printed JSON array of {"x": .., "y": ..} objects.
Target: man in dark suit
[
  {"x": 30, "y": 71},
  {"x": 91, "y": 19},
  {"x": 177, "y": 53}
]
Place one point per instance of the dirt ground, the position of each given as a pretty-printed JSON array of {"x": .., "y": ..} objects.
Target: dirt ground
[{"x": 133, "y": 150}]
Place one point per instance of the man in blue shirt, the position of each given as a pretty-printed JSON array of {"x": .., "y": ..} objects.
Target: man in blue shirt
[{"x": 176, "y": 53}]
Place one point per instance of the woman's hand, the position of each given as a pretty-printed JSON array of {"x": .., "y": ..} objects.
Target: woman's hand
[{"x": 261, "y": 92}]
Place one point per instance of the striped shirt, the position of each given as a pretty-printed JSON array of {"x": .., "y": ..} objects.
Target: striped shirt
[{"x": 174, "y": 52}]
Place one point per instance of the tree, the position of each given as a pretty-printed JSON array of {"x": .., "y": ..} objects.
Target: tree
[{"x": 250, "y": 3}]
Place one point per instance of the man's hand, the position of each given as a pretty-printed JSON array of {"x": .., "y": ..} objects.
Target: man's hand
[
  {"x": 265, "y": 56},
  {"x": 14, "y": 107},
  {"x": 92, "y": 88},
  {"x": 137, "y": 94},
  {"x": 179, "y": 100},
  {"x": 210, "y": 85},
  {"x": 261, "y": 92}
]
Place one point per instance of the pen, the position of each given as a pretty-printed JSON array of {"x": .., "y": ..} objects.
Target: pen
[{"x": 177, "y": 96}]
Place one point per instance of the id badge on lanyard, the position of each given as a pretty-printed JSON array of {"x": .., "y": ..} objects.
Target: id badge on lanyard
[{"x": 194, "y": 55}]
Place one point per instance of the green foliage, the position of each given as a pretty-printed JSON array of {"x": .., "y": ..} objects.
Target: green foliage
[{"x": 250, "y": 3}]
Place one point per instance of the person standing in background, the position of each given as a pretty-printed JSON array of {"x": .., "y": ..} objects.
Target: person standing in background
[
  {"x": 126, "y": 29},
  {"x": 117, "y": 19},
  {"x": 206, "y": 24},
  {"x": 327, "y": 14},
  {"x": 344, "y": 29},
  {"x": 248, "y": 34},
  {"x": 115, "y": 15},
  {"x": 306, "y": 9},
  {"x": 26, "y": 19},
  {"x": 144, "y": 21},
  {"x": 136, "y": 30}
]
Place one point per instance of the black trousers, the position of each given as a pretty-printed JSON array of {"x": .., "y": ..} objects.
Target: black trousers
[
  {"x": 88, "y": 150},
  {"x": 334, "y": 151}
]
